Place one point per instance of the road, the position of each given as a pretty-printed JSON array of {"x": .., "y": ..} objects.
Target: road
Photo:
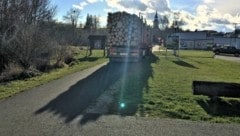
[
  {"x": 76, "y": 105},
  {"x": 228, "y": 58}
]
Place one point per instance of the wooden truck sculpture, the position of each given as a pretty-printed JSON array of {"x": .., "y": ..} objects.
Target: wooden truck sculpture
[{"x": 128, "y": 37}]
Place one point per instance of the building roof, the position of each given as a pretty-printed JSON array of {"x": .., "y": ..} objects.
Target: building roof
[
  {"x": 156, "y": 22},
  {"x": 156, "y": 16}
]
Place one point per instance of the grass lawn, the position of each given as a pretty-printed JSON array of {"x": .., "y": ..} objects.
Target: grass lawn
[
  {"x": 158, "y": 86},
  {"x": 14, "y": 87},
  {"x": 169, "y": 92}
]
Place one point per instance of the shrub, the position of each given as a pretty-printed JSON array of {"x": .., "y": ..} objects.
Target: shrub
[
  {"x": 12, "y": 72},
  {"x": 69, "y": 59},
  {"x": 28, "y": 73}
]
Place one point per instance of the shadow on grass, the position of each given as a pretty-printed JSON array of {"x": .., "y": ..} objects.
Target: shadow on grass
[
  {"x": 124, "y": 81},
  {"x": 200, "y": 57},
  {"x": 184, "y": 64},
  {"x": 221, "y": 107},
  {"x": 90, "y": 59}
]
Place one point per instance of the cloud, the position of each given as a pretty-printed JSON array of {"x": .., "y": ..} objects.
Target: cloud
[
  {"x": 209, "y": 1},
  {"x": 80, "y": 5},
  {"x": 147, "y": 8},
  {"x": 92, "y": 1},
  {"x": 209, "y": 14},
  {"x": 206, "y": 14},
  {"x": 207, "y": 17},
  {"x": 229, "y": 6},
  {"x": 133, "y": 4},
  {"x": 159, "y": 5}
]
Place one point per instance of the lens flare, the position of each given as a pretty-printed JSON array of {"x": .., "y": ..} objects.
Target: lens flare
[{"x": 122, "y": 105}]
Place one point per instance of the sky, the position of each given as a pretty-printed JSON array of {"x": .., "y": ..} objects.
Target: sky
[{"x": 216, "y": 15}]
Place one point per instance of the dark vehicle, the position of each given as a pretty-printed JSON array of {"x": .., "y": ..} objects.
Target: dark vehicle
[{"x": 226, "y": 50}]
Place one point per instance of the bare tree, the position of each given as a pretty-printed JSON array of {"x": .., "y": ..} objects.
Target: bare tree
[
  {"x": 72, "y": 16},
  {"x": 21, "y": 36},
  {"x": 164, "y": 22}
]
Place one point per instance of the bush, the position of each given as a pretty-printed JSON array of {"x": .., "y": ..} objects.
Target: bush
[
  {"x": 72, "y": 64},
  {"x": 43, "y": 65},
  {"x": 69, "y": 59},
  {"x": 59, "y": 64},
  {"x": 31, "y": 72},
  {"x": 12, "y": 72}
]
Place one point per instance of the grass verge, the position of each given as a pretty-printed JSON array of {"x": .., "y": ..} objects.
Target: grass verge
[
  {"x": 82, "y": 63},
  {"x": 169, "y": 92}
]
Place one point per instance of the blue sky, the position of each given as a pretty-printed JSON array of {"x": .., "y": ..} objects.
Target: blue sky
[{"x": 196, "y": 14}]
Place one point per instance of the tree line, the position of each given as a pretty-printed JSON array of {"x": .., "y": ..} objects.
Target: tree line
[{"x": 30, "y": 38}]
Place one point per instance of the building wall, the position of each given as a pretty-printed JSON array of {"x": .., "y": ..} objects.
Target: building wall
[
  {"x": 199, "y": 44},
  {"x": 227, "y": 41},
  {"x": 200, "y": 40},
  {"x": 195, "y": 40}
]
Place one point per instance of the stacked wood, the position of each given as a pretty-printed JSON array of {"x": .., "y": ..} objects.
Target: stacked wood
[{"x": 124, "y": 29}]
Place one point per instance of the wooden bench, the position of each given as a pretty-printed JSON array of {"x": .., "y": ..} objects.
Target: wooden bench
[{"x": 216, "y": 89}]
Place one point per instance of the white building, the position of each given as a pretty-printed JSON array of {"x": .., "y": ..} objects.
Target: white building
[
  {"x": 194, "y": 40},
  {"x": 227, "y": 41},
  {"x": 201, "y": 41}
]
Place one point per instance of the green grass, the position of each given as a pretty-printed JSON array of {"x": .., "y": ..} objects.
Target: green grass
[
  {"x": 159, "y": 86},
  {"x": 17, "y": 86},
  {"x": 169, "y": 92}
]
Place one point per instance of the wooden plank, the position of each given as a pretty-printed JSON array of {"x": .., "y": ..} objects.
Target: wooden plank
[{"x": 216, "y": 89}]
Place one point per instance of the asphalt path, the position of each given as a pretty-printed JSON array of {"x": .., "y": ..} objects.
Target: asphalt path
[{"x": 59, "y": 108}]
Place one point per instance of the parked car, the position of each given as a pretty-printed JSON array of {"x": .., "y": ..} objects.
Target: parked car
[{"x": 226, "y": 50}]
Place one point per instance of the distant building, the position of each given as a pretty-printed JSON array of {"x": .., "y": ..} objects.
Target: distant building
[
  {"x": 202, "y": 40},
  {"x": 156, "y": 33},
  {"x": 227, "y": 41},
  {"x": 194, "y": 40},
  {"x": 156, "y": 22}
]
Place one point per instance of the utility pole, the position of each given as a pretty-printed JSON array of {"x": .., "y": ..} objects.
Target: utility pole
[
  {"x": 235, "y": 33},
  {"x": 176, "y": 27}
]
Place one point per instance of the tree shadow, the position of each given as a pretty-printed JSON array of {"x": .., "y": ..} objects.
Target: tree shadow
[
  {"x": 202, "y": 57},
  {"x": 90, "y": 59},
  {"x": 103, "y": 92},
  {"x": 221, "y": 107},
  {"x": 184, "y": 64}
]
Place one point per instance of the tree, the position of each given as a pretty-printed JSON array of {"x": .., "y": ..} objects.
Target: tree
[
  {"x": 20, "y": 19},
  {"x": 72, "y": 16},
  {"x": 72, "y": 35},
  {"x": 164, "y": 21},
  {"x": 92, "y": 22}
]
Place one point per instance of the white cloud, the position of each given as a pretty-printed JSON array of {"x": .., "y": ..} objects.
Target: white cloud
[
  {"x": 229, "y": 6},
  {"x": 81, "y": 5},
  {"x": 159, "y": 5},
  {"x": 210, "y": 14},
  {"x": 209, "y": 1},
  {"x": 208, "y": 18},
  {"x": 92, "y": 1},
  {"x": 147, "y": 8}
]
